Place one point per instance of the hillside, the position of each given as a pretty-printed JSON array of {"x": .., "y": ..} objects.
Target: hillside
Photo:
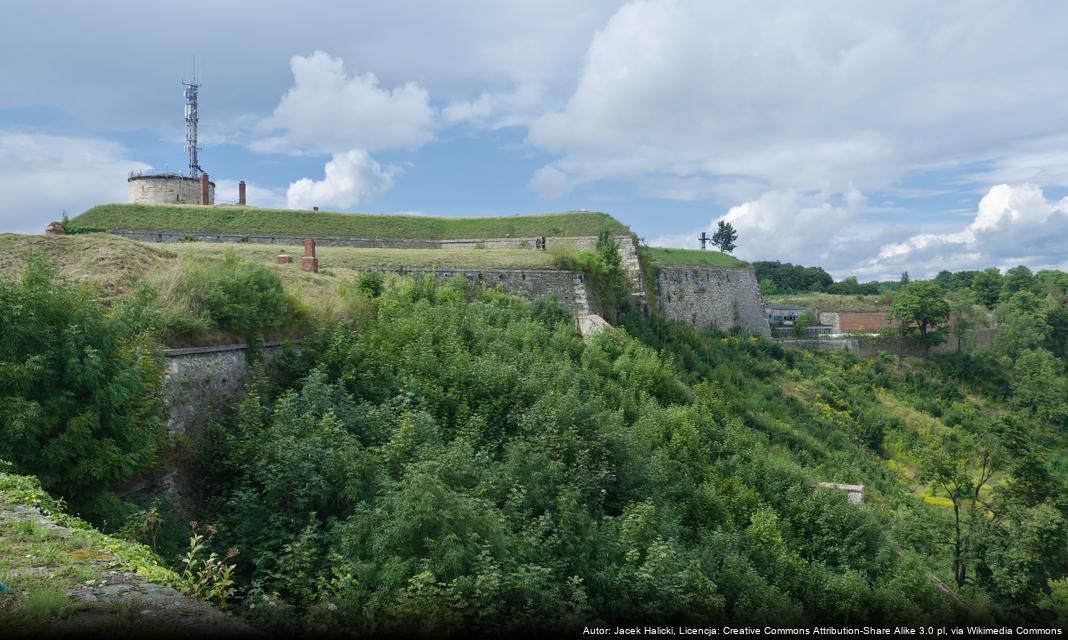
[
  {"x": 115, "y": 263},
  {"x": 449, "y": 459},
  {"x": 252, "y": 220}
]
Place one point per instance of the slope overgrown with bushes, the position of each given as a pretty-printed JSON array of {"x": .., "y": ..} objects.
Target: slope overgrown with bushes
[{"x": 450, "y": 459}]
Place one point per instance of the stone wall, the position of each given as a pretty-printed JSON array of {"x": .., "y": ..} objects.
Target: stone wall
[
  {"x": 628, "y": 250},
  {"x": 166, "y": 189},
  {"x": 200, "y": 382},
  {"x": 724, "y": 297},
  {"x": 568, "y": 287}
]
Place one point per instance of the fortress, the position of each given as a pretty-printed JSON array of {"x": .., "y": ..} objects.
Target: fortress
[
  {"x": 160, "y": 210},
  {"x": 725, "y": 297}
]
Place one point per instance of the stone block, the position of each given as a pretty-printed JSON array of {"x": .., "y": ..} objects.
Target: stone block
[{"x": 284, "y": 258}]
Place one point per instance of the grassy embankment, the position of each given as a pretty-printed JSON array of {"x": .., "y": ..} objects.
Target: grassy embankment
[
  {"x": 834, "y": 302},
  {"x": 114, "y": 265},
  {"x": 251, "y": 220},
  {"x": 691, "y": 257}
]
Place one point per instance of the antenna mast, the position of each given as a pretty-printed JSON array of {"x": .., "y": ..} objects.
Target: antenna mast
[{"x": 192, "y": 116}]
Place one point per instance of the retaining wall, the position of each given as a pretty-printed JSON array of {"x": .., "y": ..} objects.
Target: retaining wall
[
  {"x": 201, "y": 382},
  {"x": 628, "y": 250},
  {"x": 723, "y": 297},
  {"x": 568, "y": 287}
]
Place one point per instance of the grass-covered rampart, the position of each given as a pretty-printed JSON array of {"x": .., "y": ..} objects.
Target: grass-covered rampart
[
  {"x": 252, "y": 220},
  {"x": 691, "y": 257}
]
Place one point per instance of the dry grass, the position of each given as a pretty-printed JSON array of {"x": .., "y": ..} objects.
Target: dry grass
[
  {"x": 115, "y": 265},
  {"x": 357, "y": 259},
  {"x": 112, "y": 264},
  {"x": 832, "y": 302}
]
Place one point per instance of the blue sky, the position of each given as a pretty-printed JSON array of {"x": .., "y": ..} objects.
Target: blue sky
[{"x": 866, "y": 138}]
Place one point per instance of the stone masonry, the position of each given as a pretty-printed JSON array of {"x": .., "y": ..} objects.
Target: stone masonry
[
  {"x": 167, "y": 188},
  {"x": 724, "y": 297}
]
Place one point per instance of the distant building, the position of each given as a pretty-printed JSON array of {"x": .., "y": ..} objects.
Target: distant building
[{"x": 784, "y": 314}]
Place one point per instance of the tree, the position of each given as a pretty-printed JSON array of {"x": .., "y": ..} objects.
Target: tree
[
  {"x": 1021, "y": 324},
  {"x": 964, "y": 314},
  {"x": 987, "y": 287},
  {"x": 920, "y": 306},
  {"x": 80, "y": 389},
  {"x": 960, "y": 466},
  {"x": 1040, "y": 387},
  {"x": 725, "y": 236},
  {"x": 1057, "y": 325},
  {"x": 1018, "y": 278}
]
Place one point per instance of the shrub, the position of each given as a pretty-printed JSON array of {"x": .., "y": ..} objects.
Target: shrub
[
  {"x": 80, "y": 388},
  {"x": 237, "y": 295}
]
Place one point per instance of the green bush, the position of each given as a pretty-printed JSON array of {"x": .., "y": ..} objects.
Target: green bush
[
  {"x": 80, "y": 388},
  {"x": 237, "y": 295}
]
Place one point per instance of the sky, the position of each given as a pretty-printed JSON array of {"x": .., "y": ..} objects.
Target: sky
[{"x": 866, "y": 138}]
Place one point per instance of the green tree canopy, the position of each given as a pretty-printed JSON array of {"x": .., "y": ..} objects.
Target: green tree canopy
[
  {"x": 987, "y": 286},
  {"x": 725, "y": 236},
  {"x": 80, "y": 388},
  {"x": 920, "y": 307}
]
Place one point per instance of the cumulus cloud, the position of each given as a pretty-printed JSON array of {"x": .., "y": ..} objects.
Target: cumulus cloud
[
  {"x": 813, "y": 228},
  {"x": 793, "y": 96},
  {"x": 328, "y": 111},
  {"x": 1014, "y": 224},
  {"x": 350, "y": 178},
  {"x": 45, "y": 174}
]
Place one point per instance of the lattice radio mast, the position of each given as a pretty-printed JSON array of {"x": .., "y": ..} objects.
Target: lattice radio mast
[{"x": 192, "y": 115}]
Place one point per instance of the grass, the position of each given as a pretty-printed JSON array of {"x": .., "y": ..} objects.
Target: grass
[
  {"x": 691, "y": 257},
  {"x": 832, "y": 302},
  {"x": 114, "y": 265},
  {"x": 110, "y": 263},
  {"x": 363, "y": 259},
  {"x": 40, "y": 563},
  {"x": 240, "y": 219}
]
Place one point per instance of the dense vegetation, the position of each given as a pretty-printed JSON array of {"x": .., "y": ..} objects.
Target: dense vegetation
[
  {"x": 252, "y": 220},
  {"x": 450, "y": 459},
  {"x": 79, "y": 388}
]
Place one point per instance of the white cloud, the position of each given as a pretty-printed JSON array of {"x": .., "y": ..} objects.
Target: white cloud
[
  {"x": 550, "y": 183},
  {"x": 226, "y": 192},
  {"x": 327, "y": 110},
  {"x": 45, "y": 174},
  {"x": 1013, "y": 225},
  {"x": 350, "y": 178},
  {"x": 497, "y": 108},
  {"x": 794, "y": 96}
]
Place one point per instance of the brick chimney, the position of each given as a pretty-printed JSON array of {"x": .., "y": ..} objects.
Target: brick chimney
[
  {"x": 204, "y": 189},
  {"x": 241, "y": 192},
  {"x": 309, "y": 262}
]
